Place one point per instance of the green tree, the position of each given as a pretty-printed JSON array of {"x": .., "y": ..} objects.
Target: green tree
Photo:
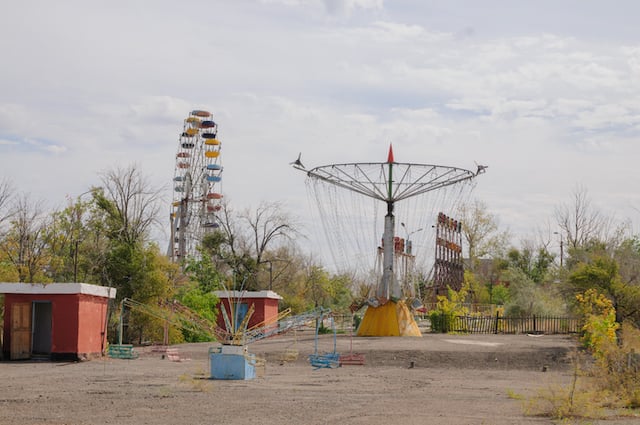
[
  {"x": 204, "y": 304},
  {"x": 526, "y": 297},
  {"x": 627, "y": 254},
  {"x": 317, "y": 282},
  {"x": 478, "y": 292},
  {"x": 481, "y": 232},
  {"x": 126, "y": 209},
  {"x": 500, "y": 295},
  {"x": 289, "y": 278},
  {"x": 283, "y": 271},
  {"x": 143, "y": 274},
  {"x": 325, "y": 290},
  {"x": 203, "y": 271},
  {"x": 340, "y": 296},
  {"x": 602, "y": 273},
  {"x": 535, "y": 266},
  {"x": 71, "y": 236}
]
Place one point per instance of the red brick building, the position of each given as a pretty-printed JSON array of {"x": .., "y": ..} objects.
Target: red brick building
[
  {"x": 237, "y": 303},
  {"x": 60, "y": 321}
]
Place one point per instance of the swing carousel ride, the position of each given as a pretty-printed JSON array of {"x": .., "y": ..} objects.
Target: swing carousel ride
[
  {"x": 350, "y": 200},
  {"x": 196, "y": 184}
]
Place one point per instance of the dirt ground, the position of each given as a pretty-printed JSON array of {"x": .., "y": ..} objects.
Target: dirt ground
[{"x": 436, "y": 379}]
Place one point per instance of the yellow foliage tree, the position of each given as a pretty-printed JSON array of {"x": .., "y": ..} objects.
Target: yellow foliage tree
[
  {"x": 451, "y": 306},
  {"x": 599, "y": 316}
]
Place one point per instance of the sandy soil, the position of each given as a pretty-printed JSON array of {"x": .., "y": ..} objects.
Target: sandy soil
[{"x": 436, "y": 379}]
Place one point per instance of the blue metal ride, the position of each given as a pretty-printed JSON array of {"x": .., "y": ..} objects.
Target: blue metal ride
[{"x": 326, "y": 360}]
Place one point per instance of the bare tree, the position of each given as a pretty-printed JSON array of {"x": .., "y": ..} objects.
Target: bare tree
[
  {"x": 25, "y": 244},
  {"x": 130, "y": 202},
  {"x": 581, "y": 223},
  {"x": 269, "y": 223},
  {"x": 244, "y": 239},
  {"x": 234, "y": 242},
  {"x": 545, "y": 235},
  {"x": 227, "y": 246},
  {"x": 6, "y": 194}
]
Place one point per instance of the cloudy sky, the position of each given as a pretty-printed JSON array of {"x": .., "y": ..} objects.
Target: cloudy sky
[{"x": 546, "y": 93}]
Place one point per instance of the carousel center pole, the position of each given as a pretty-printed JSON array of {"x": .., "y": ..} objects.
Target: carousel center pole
[{"x": 388, "y": 287}]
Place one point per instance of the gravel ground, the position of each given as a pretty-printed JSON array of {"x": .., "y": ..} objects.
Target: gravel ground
[{"x": 436, "y": 379}]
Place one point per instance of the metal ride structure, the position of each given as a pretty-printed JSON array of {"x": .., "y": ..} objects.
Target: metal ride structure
[
  {"x": 172, "y": 314},
  {"x": 196, "y": 183},
  {"x": 232, "y": 360},
  {"x": 448, "y": 267},
  {"x": 236, "y": 361},
  {"x": 407, "y": 184}
]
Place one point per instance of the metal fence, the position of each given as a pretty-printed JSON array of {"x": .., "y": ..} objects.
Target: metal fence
[
  {"x": 481, "y": 324},
  {"x": 505, "y": 325},
  {"x": 472, "y": 308}
]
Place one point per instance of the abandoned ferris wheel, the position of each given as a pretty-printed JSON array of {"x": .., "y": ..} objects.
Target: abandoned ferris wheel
[{"x": 196, "y": 183}]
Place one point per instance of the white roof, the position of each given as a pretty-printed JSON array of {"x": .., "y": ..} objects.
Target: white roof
[
  {"x": 57, "y": 288},
  {"x": 247, "y": 294}
]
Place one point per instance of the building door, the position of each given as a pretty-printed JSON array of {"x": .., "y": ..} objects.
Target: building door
[
  {"x": 41, "y": 328},
  {"x": 20, "y": 330}
]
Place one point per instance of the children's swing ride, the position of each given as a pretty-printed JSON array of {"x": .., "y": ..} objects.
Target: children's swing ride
[{"x": 414, "y": 193}]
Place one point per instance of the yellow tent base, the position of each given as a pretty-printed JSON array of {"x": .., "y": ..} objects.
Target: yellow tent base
[{"x": 390, "y": 319}]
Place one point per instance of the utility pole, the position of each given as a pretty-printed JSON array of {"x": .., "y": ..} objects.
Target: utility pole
[{"x": 561, "y": 248}]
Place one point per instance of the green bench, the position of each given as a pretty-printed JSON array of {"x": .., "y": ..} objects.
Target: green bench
[{"x": 122, "y": 351}]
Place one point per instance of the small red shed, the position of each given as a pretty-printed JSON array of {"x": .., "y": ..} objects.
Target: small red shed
[
  {"x": 61, "y": 321},
  {"x": 265, "y": 304}
]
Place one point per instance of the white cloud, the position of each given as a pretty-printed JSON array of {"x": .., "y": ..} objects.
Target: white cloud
[
  {"x": 543, "y": 107},
  {"x": 392, "y": 31},
  {"x": 55, "y": 149},
  {"x": 346, "y": 7},
  {"x": 607, "y": 116}
]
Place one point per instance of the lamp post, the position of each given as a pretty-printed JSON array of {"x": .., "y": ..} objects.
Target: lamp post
[
  {"x": 408, "y": 258},
  {"x": 271, "y": 268},
  {"x": 407, "y": 243},
  {"x": 270, "y": 272}
]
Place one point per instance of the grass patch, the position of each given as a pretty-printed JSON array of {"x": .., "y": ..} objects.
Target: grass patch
[
  {"x": 605, "y": 385},
  {"x": 559, "y": 402},
  {"x": 195, "y": 383},
  {"x": 514, "y": 395}
]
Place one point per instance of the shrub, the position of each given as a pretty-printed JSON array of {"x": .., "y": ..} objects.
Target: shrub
[
  {"x": 448, "y": 308},
  {"x": 617, "y": 369},
  {"x": 599, "y": 318},
  {"x": 612, "y": 381}
]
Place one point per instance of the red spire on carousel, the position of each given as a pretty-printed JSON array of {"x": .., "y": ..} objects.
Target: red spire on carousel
[{"x": 390, "y": 157}]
